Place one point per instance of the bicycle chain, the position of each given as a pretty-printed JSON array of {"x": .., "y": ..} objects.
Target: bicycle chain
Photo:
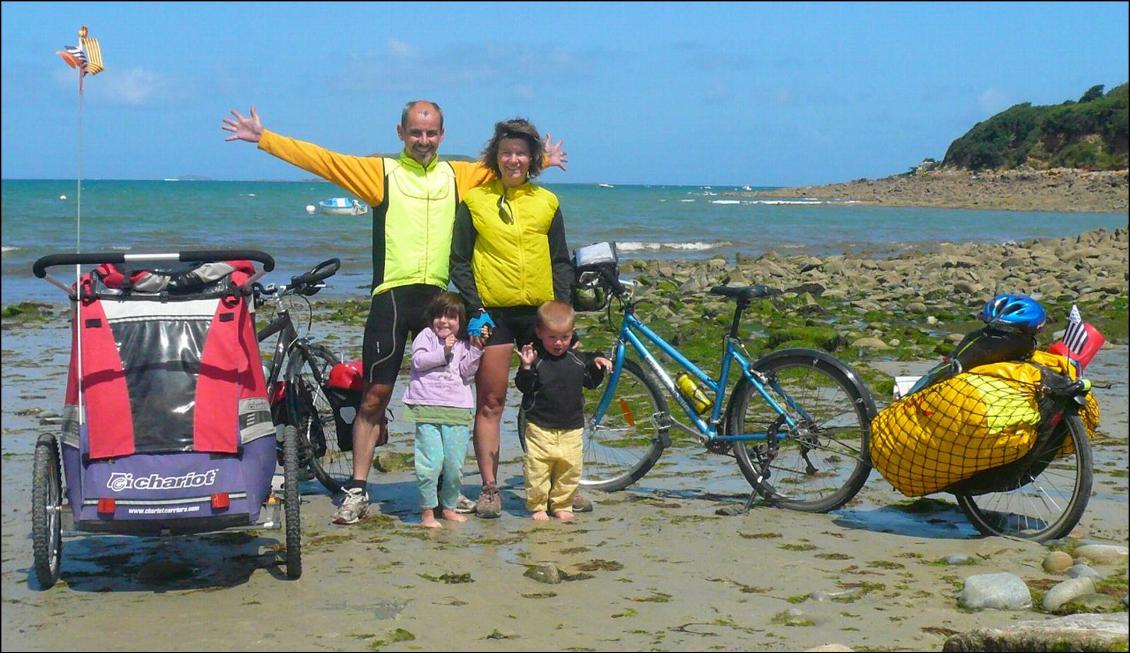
[{"x": 767, "y": 453}]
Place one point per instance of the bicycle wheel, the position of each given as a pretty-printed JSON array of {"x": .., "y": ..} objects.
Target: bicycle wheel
[
  {"x": 625, "y": 442},
  {"x": 312, "y": 414},
  {"x": 1046, "y": 504},
  {"x": 822, "y": 462},
  {"x": 292, "y": 504},
  {"x": 46, "y": 512}
]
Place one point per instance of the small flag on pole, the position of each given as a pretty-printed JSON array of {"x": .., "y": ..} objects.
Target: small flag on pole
[
  {"x": 73, "y": 55},
  {"x": 1075, "y": 336},
  {"x": 85, "y": 57},
  {"x": 93, "y": 52}
]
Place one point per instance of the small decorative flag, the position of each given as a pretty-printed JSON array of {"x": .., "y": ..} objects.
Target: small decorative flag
[
  {"x": 93, "y": 52},
  {"x": 85, "y": 57},
  {"x": 1075, "y": 336},
  {"x": 73, "y": 55}
]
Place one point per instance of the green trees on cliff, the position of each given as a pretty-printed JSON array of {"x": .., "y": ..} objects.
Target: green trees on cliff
[{"x": 1090, "y": 133}]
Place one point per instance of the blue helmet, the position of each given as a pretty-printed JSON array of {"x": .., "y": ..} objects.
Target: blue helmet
[{"x": 1010, "y": 312}]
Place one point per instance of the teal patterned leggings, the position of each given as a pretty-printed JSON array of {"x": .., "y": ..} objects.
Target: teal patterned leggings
[{"x": 440, "y": 448}]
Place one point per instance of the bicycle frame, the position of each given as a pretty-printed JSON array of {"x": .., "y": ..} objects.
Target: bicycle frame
[
  {"x": 282, "y": 324},
  {"x": 634, "y": 332}
]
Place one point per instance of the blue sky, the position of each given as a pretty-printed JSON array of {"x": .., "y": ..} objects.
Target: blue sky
[{"x": 722, "y": 93}]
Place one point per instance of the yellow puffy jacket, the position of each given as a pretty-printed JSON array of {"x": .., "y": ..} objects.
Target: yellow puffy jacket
[{"x": 508, "y": 248}]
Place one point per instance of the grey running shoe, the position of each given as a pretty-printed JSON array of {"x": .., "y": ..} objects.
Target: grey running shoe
[
  {"x": 581, "y": 503},
  {"x": 464, "y": 506},
  {"x": 489, "y": 505},
  {"x": 353, "y": 507}
]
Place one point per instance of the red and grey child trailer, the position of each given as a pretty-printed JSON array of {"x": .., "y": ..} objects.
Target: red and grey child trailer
[{"x": 166, "y": 427}]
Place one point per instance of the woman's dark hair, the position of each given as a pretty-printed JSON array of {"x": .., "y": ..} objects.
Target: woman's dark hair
[
  {"x": 516, "y": 128},
  {"x": 451, "y": 305}
]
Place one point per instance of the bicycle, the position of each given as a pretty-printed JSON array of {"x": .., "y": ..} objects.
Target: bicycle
[
  {"x": 797, "y": 422},
  {"x": 296, "y": 381}
]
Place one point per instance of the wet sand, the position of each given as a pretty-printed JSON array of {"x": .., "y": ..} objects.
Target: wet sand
[{"x": 654, "y": 567}]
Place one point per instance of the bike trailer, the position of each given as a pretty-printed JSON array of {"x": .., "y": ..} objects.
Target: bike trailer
[
  {"x": 983, "y": 419},
  {"x": 176, "y": 432},
  {"x": 166, "y": 424}
]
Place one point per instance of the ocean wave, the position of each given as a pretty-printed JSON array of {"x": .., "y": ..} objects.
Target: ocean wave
[
  {"x": 9, "y": 249},
  {"x": 801, "y": 202},
  {"x": 725, "y": 201},
  {"x": 636, "y": 246}
]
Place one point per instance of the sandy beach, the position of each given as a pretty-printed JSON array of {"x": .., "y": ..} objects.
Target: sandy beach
[{"x": 654, "y": 567}]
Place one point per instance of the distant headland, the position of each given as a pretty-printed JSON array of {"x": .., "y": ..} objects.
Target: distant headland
[{"x": 1065, "y": 157}]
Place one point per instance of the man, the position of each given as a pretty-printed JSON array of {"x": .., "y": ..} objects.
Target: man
[{"x": 414, "y": 197}]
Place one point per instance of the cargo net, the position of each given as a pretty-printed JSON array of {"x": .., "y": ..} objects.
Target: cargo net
[{"x": 981, "y": 431}]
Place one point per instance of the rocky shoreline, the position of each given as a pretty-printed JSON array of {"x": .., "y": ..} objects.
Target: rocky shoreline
[
  {"x": 914, "y": 305},
  {"x": 1059, "y": 189}
]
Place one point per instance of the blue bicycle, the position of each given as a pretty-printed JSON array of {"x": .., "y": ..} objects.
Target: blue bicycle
[{"x": 798, "y": 421}]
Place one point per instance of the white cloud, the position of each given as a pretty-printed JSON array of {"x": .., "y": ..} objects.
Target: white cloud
[
  {"x": 992, "y": 101},
  {"x": 524, "y": 91},
  {"x": 136, "y": 87},
  {"x": 403, "y": 49},
  {"x": 399, "y": 65},
  {"x": 131, "y": 87}
]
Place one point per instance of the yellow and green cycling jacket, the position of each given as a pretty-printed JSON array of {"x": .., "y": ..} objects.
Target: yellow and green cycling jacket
[
  {"x": 509, "y": 247},
  {"x": 413, "y": 205}
]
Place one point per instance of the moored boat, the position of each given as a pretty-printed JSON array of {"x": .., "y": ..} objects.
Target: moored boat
[{"x": 342, "y": 206}]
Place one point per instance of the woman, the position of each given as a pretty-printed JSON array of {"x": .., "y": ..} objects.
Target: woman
[{"x": 508, "y": 256}]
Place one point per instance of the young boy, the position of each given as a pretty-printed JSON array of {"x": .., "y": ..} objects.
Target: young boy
[{"x": 551, "y": 379}]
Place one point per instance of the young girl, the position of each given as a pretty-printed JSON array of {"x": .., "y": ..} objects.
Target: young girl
[{"x": 440, "y": 401}]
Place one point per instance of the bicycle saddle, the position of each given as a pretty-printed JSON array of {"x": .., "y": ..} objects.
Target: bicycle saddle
[{"x": 744, "y": 293}]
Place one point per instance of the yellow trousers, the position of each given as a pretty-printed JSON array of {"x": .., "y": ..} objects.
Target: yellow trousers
[{"x": 553, "y": 468}]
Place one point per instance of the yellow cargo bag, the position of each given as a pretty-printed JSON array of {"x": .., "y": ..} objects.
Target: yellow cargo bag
[{"x": 980, "y": 419}]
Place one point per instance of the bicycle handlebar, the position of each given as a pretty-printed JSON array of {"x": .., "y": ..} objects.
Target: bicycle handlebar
[
  {"x": 195, "y": 256},
  {"x": 307, "y": 281}
]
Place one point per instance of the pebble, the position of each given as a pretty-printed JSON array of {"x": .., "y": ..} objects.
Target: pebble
[
  {"x": 1102, "y": 553},
  {"x": 1082, "y": 571},
  {"x": 1057, "y": 561},
  {"x": 1001, "y": 591},
  {"x": 1066, "y": 591}
]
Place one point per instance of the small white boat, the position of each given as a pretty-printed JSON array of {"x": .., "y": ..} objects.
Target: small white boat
[
  {"x": 342, "y": 206},
  {"x": 605, "y": 186}
]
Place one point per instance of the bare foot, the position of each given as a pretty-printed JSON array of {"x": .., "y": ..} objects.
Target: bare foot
[
  {"x": 541, "y": 515},
  {"x": 450, "y": 515},
  {"x": 428, "y": 519},
  {"x": 564, "y": 515}
]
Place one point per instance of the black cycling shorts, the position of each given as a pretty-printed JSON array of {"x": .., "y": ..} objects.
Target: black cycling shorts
[
  {"x": 394, "y": 316},
  {"x": 513, "y": 325}
]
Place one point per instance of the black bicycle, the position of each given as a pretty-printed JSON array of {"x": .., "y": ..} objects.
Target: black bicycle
[{"x": 297, "y": 378}]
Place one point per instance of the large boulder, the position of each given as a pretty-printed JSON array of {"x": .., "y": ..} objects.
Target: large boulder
[{"x": 1077, "y": 632}]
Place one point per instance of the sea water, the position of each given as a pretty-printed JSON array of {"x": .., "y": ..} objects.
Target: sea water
[{"x": 687, "y": 222}]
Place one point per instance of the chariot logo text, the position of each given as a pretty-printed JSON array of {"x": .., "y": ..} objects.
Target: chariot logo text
[{"x": 120, "y": 481}]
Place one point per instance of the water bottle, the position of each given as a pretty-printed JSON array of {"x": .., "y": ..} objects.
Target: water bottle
[{"x": 692, "y": 393}]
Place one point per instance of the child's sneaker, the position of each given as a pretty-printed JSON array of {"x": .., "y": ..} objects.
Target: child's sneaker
[
  {"x": 464, "y": 506},
  {"x": 489, "y": 505},
  {"x": 354, "y": 506}
]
